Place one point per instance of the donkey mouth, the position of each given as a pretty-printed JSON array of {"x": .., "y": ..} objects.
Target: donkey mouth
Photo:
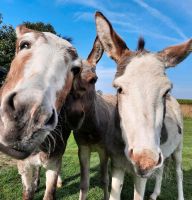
[
  {"x": 143, "y": 173},
  {"x": 75, "y": 124},
  {"x": 15, "y": 153}
]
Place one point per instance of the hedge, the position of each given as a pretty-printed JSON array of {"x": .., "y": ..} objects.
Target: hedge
[{"x": 185, "y": 101}]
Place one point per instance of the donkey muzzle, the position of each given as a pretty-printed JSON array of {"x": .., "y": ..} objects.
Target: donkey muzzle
[{"x": 145, "y": 161}]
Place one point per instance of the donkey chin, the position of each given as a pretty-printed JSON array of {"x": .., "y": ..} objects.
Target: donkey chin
[
  {"x": 75, "y": 122},
  {"x": 22, "y": 148},
  {"x": 144, "y": 173},
  {"x": 20, "y": 138}
]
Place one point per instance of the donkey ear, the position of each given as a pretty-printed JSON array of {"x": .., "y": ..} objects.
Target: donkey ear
[
  {"x": 22, "y": 29},
  {"x": 96, "y": 52},
  {"x": 112, "y": 43},
  {"x": 175, "y": 54}
]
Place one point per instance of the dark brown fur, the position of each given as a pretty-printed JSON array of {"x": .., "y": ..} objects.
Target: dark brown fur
[
  {"x": 93, "y": 118},
  {"x": 100, "y": 121}
]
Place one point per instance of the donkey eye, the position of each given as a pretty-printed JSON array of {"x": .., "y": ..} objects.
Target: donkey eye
[
  {"x": 76, "y": 70},
  {"x": 24, "y": 45},
  {"x": 93, "y": 80},
  {"x": 119, "y": 90}
]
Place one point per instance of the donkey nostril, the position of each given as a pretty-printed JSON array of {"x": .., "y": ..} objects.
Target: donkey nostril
[
  {"x": 10, "y": 101},
  {"x": 51, "y": 120}
]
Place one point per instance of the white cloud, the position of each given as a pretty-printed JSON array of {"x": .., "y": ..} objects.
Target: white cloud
[
  {"x": 126, "y": 20},
  {"x": 87, "y": 3},
  {"x": 88, "y": 16},
  {"x": 153, "y": 34},
  {"x": 85, "y": 16},
  {"x": 157, "y": 14},
  {"x": 106, "y": 72}
]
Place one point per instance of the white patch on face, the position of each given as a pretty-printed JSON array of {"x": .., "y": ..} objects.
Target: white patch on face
[
  {"x": 141, "y": 103},
  {"x": 46, "y": 70}
]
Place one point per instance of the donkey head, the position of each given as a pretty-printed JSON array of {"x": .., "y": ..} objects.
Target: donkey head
[
  {"x": 39, "y": 79},
  {"x": 82, "y": 94},
  {"x": 142, "y": 86}
]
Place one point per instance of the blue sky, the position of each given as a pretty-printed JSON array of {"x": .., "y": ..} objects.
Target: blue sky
[{"x": 160, "y": 22}]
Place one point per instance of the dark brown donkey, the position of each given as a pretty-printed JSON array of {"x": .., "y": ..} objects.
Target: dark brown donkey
[{"x": 92, "y": 117}]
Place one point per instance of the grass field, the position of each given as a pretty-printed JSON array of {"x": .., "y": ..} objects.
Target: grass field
[{"x": 10, "y": 183}]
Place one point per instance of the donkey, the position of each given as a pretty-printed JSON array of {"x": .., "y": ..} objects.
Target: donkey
[
  {"x": 142, "y": 88},
  {"x": 92, "y": 117},
  {"x": 35, "y": 89}
]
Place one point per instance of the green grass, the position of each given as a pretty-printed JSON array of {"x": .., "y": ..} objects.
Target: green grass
[
  {"x": 185, "y": 101},
  {"x": 10, "y": 183}
]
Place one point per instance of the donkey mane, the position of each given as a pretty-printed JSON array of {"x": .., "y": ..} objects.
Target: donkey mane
[{"x": 141, "y": 44}]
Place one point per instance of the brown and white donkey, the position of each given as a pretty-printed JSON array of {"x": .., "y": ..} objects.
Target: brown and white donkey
[
  {"x": 32, "y": 97},
  {"x": 150, "y": 119},
  {"x": 35, "y": 89}
]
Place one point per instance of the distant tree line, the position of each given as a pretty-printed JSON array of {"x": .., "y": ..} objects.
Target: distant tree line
[{"x": 185, "y": 101}]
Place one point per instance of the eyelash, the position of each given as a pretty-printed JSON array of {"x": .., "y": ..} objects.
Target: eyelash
[{"x": 24, "y": 45}]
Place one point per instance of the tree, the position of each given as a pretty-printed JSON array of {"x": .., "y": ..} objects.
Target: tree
[
  {"x": 1, "y": 18},
  {"x": 40, "y": 26},
  {"x": 7, "y": 44}
]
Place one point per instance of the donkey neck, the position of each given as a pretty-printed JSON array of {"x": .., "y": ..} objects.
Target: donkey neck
[
  {"x": 90, "y": 104},
  {"x": 99, "y": 115}
]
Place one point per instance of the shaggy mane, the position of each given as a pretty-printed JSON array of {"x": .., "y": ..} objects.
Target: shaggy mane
[{"x": 141, "y": 44}]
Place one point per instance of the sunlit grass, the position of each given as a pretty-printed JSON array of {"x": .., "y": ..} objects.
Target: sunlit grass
[{"x": 10, "y": 183}]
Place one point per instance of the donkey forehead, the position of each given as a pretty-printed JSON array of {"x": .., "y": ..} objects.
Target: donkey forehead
[
  {"x": 45, "y": 37},
  {"x": 57, "y": 40},
  {"x": 146, "y": 67},
  {"x": 87, "y": 68},
  {"x": 49, "y": 44}
]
